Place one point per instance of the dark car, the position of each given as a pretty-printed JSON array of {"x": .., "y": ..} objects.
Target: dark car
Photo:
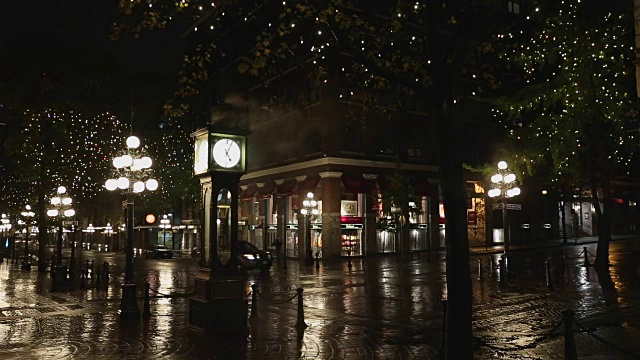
[
  {"x": 159, "y": 252},
  {"x": 253, "y": 258}
]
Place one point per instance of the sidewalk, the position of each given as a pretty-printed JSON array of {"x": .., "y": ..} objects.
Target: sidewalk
[{"x": 543, "y": 244}]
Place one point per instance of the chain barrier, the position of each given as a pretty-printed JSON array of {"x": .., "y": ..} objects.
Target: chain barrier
[
  {"x": 158, "y": 292},
  {"x": 605, "y": 342},
  {"x": 535, "y": 273},
  {"x": 275, "y": 302},
  {"x": 590, "y": 254},
  {"x": 531, "y": 345},
  {"x": 574, "y": 258}
]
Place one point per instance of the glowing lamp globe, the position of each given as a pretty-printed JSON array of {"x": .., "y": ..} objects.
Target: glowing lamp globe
[
  {"x": 310, "y": 195},
  {"x": 138, "y": 186},
  {"x": 55, "y": 200},
  {"x": 52, "y": 212},
  {"x": 69, "y": 213},
  {"x": 502, "y": 165},
  {"x": 126, "y": 160},
  {"x": 62, "y": 190},
  {"x": 67, "y": 201},
  {"x": 510, "y": 178},
  {"x": 133, "y": 142},
  {"x": 152, "y": 184},
  {"x": 111, "y": 184},
  {"x": 123, "y": 183},
  {"x": 145, "y": 162},
  {"x": 303, "y": 211},
  {"x": 496, "y": 178},
  {"x": 516, "y": 191}
]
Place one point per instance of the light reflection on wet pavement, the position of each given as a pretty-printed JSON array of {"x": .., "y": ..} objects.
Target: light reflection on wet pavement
[{"x": 383, "y": 308}]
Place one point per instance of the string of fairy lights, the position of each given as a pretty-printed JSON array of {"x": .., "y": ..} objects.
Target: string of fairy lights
[
  {"x": 578, "y": 98},
  {"x": 68, "y": 148}
]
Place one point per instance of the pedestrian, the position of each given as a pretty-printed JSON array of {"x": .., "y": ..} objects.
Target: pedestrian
[{"x": 278, "y": 245}]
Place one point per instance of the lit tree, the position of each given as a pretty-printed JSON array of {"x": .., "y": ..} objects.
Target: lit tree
[{"x": 572, "y": 114}]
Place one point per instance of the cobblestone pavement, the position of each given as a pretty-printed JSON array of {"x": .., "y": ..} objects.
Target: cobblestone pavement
[{"x": 382, "y": 308}]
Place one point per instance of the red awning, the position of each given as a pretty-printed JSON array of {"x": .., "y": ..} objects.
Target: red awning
[
  {"x": 248, "y": 193},
  {"x": 288, "y": 188},
  {"x": 266, "y": 191},
  {"x": 357, "y": 185},
  {"x": 308, "y": 185}
]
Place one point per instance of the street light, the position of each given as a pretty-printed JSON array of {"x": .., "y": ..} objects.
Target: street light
[
  {"x": 28, "y": 215},
  {"x": 505, "y": 187},
  {"x": 309, "y": 209},
  {"x": 164, "y": 225},
  {"x": 61, "y": 209},
  {"x": 132, "y": 176}
]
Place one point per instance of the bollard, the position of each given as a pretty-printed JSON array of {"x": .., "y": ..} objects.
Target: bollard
[
  {"x": 442, "y": 351},
  {"x": 146, "y": 312},
  {"x": 503, "y": 272},
  {"x": 254, "y": 302},
  {"x": 98, "y": 276},
  {"x": 83, "y": 278},
  {"x": 586, "y": 257},
  {"x": 549, "y": 280},
  {"x": 106, "y": 273},
  {"x": 569, "y": 340},
  {"x": 317, "y": 260},
  {"x": 479, "y": 269},
  {"x": 562, "y": 258},
  {"x": 300, "y": 324}
]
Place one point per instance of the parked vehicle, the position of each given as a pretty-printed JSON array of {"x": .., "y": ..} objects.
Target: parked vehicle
[
  {"x": 253, "y": 258},
  {"x": 158, "y": 252}
]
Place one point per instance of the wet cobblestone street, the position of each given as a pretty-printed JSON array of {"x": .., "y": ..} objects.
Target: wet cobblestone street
[{"x": 383, "y": 308}]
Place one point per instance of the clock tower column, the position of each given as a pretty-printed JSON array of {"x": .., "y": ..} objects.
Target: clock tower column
[{"x": 218, "y": 306}]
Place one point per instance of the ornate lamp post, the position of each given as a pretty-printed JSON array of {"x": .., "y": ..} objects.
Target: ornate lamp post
[
  {"x": 61, "y": 209},
  {"x": 132, "y": 176},
  {"x": 309, "y": 209},
  {"x": 505, "y": 187},
  {"x": 28, "y": 215}
]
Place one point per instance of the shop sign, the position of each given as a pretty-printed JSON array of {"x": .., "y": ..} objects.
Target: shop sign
[
  {"x": 472, "y": 218},
  {"x": 419, "y": 226},
  {"x": 316, "y": 226},
  {"x": 351, "y": 226},
  {"x": 292, "y": 227},
  {"x": 272, "y": 227},
  {"x": 254, "y": 227},
  {"x": 514, "y": 207},
  {"x": 351, "y": 219}
]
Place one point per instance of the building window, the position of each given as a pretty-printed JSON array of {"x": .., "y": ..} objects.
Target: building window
[{"x": 513, "y": 6}]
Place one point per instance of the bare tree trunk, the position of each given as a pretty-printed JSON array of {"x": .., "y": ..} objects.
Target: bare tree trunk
[
  {"x": 636, "y": 13},
  {"x": 604, "y": 223},
  {"x": 563, "y": 216}
]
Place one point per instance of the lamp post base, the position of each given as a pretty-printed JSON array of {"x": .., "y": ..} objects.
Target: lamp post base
[
  {"x": 309, "y": 257},
  {"x": 58, "y": 278},
  {"x": 129, "y": 304}
]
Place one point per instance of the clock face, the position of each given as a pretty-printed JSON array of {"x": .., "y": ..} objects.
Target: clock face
[{"x": 226, "y": 153}]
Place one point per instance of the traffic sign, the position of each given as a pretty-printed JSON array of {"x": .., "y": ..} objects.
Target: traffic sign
[
  {"x": 514, "y": 207},
  {"x": 69, "y": 222},
  {"x": 497, "y": 206}
]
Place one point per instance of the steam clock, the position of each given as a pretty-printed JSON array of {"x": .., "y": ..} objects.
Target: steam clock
[{"x": 218, "y": 304}]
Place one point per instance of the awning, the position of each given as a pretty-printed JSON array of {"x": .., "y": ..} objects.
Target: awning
[
  {"x": 422, "y": 187},
  {"x": 308, "y": 185},
  {"x": 266, "y": 191},
  {"x": 357, "y": 185},
  {"x": 248, "y": 193},
  {"x": 287, "y": 188}
]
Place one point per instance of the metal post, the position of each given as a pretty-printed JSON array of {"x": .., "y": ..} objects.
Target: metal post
[
  {"x": 146, "y": 312},
  {"x": 300, "y": 324},
  {"x": 307, "y": 235},
  {"x": 505, "y": 233},
  {"x": 569, "y": 339},
  {"x": 479, "y": 269},
  {"x": 562, "y": 258},
  {"x": 549, "y": 279},
  {"x": 128, "y": 304},
  {"x": 317, "y": 260},
  {"x": 586, "y": 257},
  {"x": 254, "y": 302},
  {"x": 443, "y": 349},
  {"x": 503, "y": 272}
]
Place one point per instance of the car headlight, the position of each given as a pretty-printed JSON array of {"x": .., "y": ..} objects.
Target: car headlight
[{"x": 249, "y": 256}]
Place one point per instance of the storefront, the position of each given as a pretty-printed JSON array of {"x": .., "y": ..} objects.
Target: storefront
[
  {"x": 316, "y": 239},
  {"x": 352, "y": 239},
  {"x": 419, "y": 237},
  {"x": 292, "y": 240}
]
